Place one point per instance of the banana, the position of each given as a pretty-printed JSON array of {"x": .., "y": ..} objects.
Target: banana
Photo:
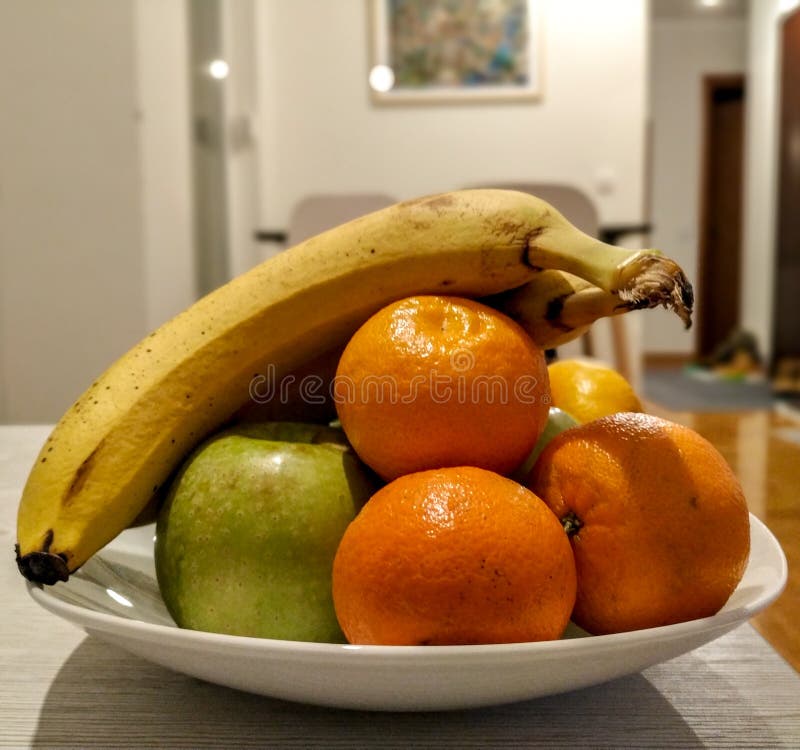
[
  {"x": 118, "y": 444},
  {"x": 556, "y": 307}
]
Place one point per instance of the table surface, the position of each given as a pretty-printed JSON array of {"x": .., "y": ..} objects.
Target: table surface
[{"x": 62, "y": 688}]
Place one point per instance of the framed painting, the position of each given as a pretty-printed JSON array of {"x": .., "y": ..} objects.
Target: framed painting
[{"x": 454, "y": 50}]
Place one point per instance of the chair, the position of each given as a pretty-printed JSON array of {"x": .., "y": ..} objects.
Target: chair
[
  {"x": 318, "y": 212},
  {"x": 614, "y": 340}
]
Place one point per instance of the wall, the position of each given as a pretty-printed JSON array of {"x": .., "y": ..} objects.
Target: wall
[
  {"x": 69, "y": 207},
  {"x": 92, "y": 192},
  {"x": 319, "y": 132},
  {"x": 683, "y": 51},
  {"x": 162, "y": 102}
]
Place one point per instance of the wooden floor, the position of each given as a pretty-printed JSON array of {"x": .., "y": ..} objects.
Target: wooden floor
[{"x": 763, "y": 448}]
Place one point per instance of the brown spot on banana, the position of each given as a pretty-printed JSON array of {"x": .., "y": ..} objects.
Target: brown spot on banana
[
  {"x": 81, "y": 474},
  {"x": 445, "y": 200},
  {"x": 555, "y": 307}
]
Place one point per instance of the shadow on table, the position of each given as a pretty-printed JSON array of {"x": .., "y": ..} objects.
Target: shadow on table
[{"x": 104, "y": 697}]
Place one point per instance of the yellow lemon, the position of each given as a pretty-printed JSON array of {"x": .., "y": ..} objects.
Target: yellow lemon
[{"x": 589, "y": 390}]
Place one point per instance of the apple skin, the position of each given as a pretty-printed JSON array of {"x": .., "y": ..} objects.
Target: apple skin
[
  {"x": 558, "y": 420},
  {"x": 246, "y": 538}
]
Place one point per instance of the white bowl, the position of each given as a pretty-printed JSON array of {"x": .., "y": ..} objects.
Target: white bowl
[{"x": 115, "y": 597}]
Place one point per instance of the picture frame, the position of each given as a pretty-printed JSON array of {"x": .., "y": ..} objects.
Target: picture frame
[{"x": 445, "y": 51}]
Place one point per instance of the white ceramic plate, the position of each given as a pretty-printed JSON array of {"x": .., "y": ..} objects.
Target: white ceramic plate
[{"x": 115, "y": 597}]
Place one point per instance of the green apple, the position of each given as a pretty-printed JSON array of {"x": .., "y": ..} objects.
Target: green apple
[
  {"x": 557, "y": 421},
  {"x": 246, "y": 538}
]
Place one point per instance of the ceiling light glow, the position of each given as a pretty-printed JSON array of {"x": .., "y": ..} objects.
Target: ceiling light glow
[
  {"x": 381, "y": 78},
  {"x": 218, "y": 69}
]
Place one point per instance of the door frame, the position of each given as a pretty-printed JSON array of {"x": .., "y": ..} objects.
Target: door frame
[{"x": 785, "y": 223}]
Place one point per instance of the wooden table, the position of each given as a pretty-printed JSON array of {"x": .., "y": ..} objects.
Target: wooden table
[{"x": 61, "y": 688}]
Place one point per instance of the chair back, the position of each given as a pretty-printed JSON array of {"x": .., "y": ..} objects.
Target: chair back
[{"x": 319, "y": 212}]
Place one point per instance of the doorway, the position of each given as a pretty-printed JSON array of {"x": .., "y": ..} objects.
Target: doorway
[{"x": 719, "y": 251}]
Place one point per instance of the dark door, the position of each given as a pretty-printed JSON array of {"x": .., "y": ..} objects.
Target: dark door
[
  {"x": 786, "y": 321},
  {"x": 719, "y": 269}
]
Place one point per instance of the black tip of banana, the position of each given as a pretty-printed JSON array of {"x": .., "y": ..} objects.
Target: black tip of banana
[{"x": 42, "y": 567}]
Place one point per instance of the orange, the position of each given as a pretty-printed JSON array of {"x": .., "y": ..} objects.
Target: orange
[
  {"x": 589, "y": 390},
  {"x": 657, "y": 521},
  {"x": 453, "y": 556},
  {"x": 433, "y": 381}
]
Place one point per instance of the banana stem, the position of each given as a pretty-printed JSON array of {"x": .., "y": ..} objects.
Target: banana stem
[
  {"x": 649, "y": 280},
  {"x": 585, "y": 306},
  {"x": 638, "y": 278}
]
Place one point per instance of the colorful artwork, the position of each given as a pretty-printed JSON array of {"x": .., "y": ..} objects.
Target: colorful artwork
[{"x": 450, "y": 49}]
